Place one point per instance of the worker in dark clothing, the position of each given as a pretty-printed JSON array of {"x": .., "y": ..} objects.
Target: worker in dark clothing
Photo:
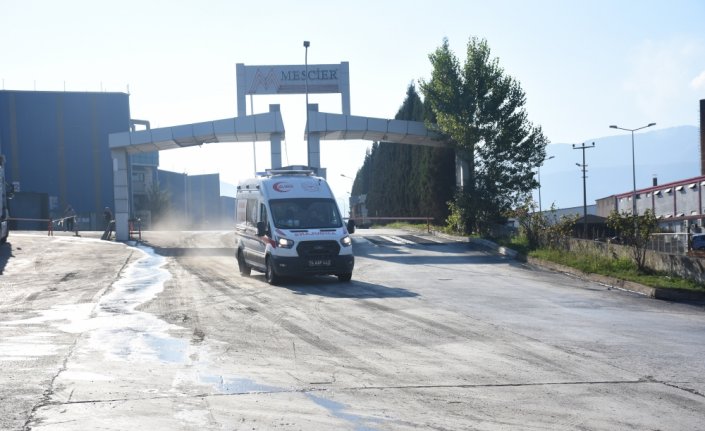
[
  {"x": 109, "y": 223},
  {"x": 69, "y": 218}
]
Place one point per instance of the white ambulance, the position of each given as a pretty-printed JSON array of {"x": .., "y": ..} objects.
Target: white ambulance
[{"x": 288, "y": 223}]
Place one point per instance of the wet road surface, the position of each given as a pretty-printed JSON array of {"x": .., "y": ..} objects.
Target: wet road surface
[{"x": 430, "y": 334}]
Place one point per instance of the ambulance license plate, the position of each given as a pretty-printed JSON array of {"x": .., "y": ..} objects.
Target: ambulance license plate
[{"x": 319, "y": 262}]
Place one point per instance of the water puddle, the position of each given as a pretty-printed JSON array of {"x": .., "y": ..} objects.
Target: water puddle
[
  {"x": 237, "y": 385},
  {"x": 338, "y": 410},
  {"x": 116, "y": 329},
  {"x": 114, "y": 325}
]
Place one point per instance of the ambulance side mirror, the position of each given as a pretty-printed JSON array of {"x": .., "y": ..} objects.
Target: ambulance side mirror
[
  {"x": 351, "y": 226},
  {"x": 261, "y": 228}
]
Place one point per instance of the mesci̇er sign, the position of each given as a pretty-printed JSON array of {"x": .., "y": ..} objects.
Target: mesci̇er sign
[{"x": 322, "y": 78}]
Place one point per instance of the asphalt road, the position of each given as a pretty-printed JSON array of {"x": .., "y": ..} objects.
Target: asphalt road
[{"x": 430, "y": 334}]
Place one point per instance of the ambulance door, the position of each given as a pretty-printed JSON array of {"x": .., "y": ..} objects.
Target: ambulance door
[{"x": 260, "y": 246}]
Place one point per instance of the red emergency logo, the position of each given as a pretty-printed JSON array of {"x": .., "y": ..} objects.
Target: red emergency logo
[{"x": 282, "y": 187}]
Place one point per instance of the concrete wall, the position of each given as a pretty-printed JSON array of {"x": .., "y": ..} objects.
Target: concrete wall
[{"x": 692, "y": 268}]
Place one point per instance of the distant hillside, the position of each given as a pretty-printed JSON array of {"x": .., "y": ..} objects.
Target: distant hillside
[{"x": 669, "y": 154}]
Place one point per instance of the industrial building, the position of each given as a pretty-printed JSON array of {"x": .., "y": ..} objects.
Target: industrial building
[
  {"x": 57, "y": 152},
  {"x": 679, "y": 205}
]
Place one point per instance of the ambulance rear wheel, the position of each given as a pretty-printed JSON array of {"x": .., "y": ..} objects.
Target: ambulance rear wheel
[
  {"x": 344, "y": 278},
  {"x": 269, "y": 274},
  {"x": 242, "y": 265}
]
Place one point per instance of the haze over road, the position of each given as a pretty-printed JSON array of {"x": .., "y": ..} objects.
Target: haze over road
[{"x": 430, "y": 334}]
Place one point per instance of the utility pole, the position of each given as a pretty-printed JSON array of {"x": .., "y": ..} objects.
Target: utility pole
[{"x": 584, "y": 147}]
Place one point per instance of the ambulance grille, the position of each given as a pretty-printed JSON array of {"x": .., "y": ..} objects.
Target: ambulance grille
[{"x": 318, "y": 248}]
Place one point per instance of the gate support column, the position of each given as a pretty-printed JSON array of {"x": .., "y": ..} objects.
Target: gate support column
[
  {"x": 275, "y": 142},
  {"x": 121, "y": 195},
  {"x": 314, "y": 142}
]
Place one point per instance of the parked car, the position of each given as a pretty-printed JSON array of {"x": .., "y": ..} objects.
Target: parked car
[{"x": 698, "y": 241}]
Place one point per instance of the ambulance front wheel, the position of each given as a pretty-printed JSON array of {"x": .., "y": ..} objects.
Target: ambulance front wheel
[
  {"x": 269, "y": 273},
  {"x": 345, "y": 277},
  {"x": 242, "y": 265}
]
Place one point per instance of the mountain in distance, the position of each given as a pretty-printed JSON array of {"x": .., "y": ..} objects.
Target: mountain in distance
[{"x": 668, "y": 155}]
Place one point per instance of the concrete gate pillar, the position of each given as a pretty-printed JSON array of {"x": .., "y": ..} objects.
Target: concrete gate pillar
[
  {"x": 314, "y": 141},
  {"x": 275, "y": 142},
  {"x": 121, "y": 194}
]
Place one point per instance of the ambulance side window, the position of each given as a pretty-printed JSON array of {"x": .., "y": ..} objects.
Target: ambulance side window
[
  {"x": 252, "y": 208},
  {"x": 263, "y": 216},
  {"x": 241, "y": 213}
]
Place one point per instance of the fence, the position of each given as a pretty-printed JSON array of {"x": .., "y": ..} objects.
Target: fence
[{"x": 670, "y": 243}]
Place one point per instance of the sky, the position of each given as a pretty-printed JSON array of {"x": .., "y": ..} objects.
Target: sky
[{"x": 583, "y": 65}]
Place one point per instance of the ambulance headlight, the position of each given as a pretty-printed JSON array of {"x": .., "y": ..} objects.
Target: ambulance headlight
[
  {"x": 285, "y": 243},
  {"x": 346, "y": 241}
]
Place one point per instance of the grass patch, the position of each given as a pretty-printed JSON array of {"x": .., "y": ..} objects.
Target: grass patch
[
  {"x": 517, "y": 243},
  {"x": 623, "y": 269}
]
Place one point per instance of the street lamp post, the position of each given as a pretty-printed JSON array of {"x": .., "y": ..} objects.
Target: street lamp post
[
  {"x": 308, "y": 138},
  {"x": 633, "y": 162},
  {"x": 349, "y": 194},
  {"x": 539, "y": 178}
]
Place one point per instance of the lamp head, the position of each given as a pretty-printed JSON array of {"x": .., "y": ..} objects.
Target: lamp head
[
  {"x": 613, "y": 127},
  {"x": 307, "y": 44},
  {"x": 651, "y": 124}
]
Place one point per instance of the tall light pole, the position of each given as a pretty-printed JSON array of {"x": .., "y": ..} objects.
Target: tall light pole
[
  {"x": 308, "y": 138},
  {"x": 633, "y": 162},
  {"x": 584, "y": 168},
  {"x": 539, "y": 175},
  {"x": 349, "y": 194}
]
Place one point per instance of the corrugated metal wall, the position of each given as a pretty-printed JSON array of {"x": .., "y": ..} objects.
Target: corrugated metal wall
[
  {"x": 204, "y": 200},
  {"x": 57, "y": 143}
]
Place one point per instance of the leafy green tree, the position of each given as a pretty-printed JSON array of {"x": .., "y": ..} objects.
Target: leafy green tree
[
  {"x": 482, "y": 111},
  {"x": 635, "y": 232},
  {"x": 407, "y": 180}
]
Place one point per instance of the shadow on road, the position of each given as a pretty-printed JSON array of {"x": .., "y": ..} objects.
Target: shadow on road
[
  {"x": 332, "y": 288},
  {"x": 5, "y": 255},
  {"x": 445, "y": 254},
  {"x": 193, "y": 251}
]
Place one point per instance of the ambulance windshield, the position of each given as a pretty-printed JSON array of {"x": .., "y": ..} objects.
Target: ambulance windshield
[{"x": 305, "y": 213}]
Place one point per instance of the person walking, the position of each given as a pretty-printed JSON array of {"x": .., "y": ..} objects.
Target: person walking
[
  {"x": 69, "y": 219},
  {"x": 109, "y": 223}
]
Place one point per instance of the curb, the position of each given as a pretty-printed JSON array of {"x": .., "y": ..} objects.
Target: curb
[{"x": 676, "y": 295}]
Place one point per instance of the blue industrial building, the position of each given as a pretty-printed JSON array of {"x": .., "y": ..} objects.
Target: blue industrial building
[
  {"x": 56, "y": 147},
  {"x": 56, "y": 143}
]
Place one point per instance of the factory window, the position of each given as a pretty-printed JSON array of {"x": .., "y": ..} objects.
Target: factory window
[
  {"x": 657, "y": 192},
  {"x": 679, "y": 188},
  {"x": 692, "y": 186},
  {"x": 668, "y": 190}
]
